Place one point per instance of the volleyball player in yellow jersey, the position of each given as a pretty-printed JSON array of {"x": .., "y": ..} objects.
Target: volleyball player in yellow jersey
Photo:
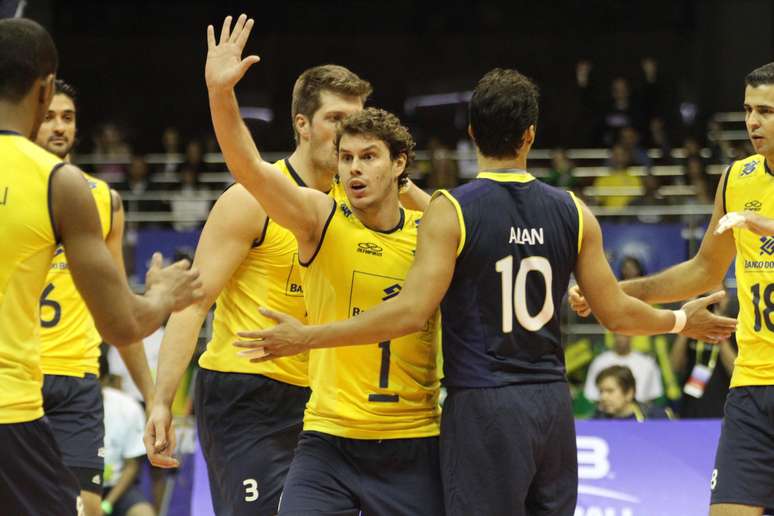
[
  {"x": 72, "y": 396},
  {"x": 742, "y": 482},
  {"x": 371, "y": 424},
  {"x": 43, "y": 202}
]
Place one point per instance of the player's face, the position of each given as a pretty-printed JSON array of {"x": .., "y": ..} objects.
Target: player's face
[
  {"x": 57, "y": 132},
  {"x": 759, "y": 117},
  {"x": 612, "y": 399},
  {"x": 367, "y": 171},
  {"x": 322, "y": 128}
]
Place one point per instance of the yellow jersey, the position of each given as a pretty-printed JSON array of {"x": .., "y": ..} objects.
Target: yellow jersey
[
  {"x": 269, "y": 277},
  {"x": 383, "y": 390},
  {"x": 618, "y": 179},
  {"x": 749, "y": 186},
  {"x": 27, "y": 231},
  {"x": 70, "y": 340}
]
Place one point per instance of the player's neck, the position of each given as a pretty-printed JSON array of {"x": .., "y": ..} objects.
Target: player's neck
[
  {"x": 314, "y": 177},
  {"x": 16, "y": 117},
  {"x": 496, "y": 164},
  {"x": 384, "y": 216}
]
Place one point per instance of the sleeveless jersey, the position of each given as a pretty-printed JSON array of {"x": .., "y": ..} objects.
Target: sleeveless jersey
[
  {"x": 269, "y": 277},
  {"x": 749, "y": 186},
  {"x": 67, "y": 332},
  {"x": 383, "y": 390},
  {"x": 519, "y": 242},
  {"x": 28, "y": 236}
]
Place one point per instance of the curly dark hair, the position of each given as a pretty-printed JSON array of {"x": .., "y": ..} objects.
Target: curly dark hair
[
  {"x": 503, "y": 106},
  {"x": 383, "y": 126},
  {"x": 313, "y": 81}
]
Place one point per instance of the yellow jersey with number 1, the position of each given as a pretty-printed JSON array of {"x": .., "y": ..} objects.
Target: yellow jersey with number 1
[
  {"x": 28, "y": 237},
  {"x": 69, "y": 337},
  {"x": 749, "y": 186},
  {"x": 384, "y": 390}
]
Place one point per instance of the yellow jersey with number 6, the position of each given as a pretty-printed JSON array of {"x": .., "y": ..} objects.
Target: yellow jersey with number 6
[
  {"x": 29, "y": 240},
  {"x": 68, "y": 334},
  {"x": 749, "y": 186},
  {"x": 384, "y": 390}
]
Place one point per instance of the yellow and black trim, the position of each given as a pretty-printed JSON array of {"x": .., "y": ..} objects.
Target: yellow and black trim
[
  {"x": 580, "y": 219},
  {"x": 460, "y": 217},
  {"x": 506, "y": 177},
  {"x": 57, "y": 238},
  {"x": 322, "y": 237}
]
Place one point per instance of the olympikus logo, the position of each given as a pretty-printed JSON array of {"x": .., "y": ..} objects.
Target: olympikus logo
[
  {"x": 748, "y": 169},
  {"x": 753, "y": 205},
  {"x": 767, "y": 245},
  {"x": 369, "y": 248}
]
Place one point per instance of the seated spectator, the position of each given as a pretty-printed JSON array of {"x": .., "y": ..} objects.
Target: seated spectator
[
  {"x": 619, "y": 177},
  {"x": 629, "y": 138},
  {"x": 124, "y": 449},
  {"x": 697, "y": 177},
  {"x": 643, "y": 367},
  {"x": 561, "y": 173},
  {"x": 651, "y": 196},
  {"x": 705, "y": 370},
  {"x": 190, "y": 203},
  {"x": 111, "y": 153},
  {"x": 660, "y": 139},
  {"x": 443, "y": 169},
  {"x": 170, "y": 142},
  {"x": 616, "y": 385},
  {"x": 630, "y": 268}
]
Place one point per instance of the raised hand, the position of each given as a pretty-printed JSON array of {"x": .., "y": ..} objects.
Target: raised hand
[
  {"x": 702, "y": 324},
  {"x": 288, "y": 337},
  {"x": 179, "y": 283},
  {"x": 225, "y": 66}
]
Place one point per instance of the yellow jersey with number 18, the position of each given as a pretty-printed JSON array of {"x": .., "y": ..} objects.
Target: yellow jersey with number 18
[
  {"x": 67, "y": 331},
  {"x": 268, "y": 276},
  {"x": 749, "y": 186},
  {"x": 29, "y": 240},
  {"x": 384, "y": 390}
]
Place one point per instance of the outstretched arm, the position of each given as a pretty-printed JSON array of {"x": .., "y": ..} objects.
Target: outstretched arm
[
  {"x": 426, "y": 284},
  {"x": 133, "y": 355},
  {"x": 234, "y": 223},
  {"x": 301, "y": 210}
]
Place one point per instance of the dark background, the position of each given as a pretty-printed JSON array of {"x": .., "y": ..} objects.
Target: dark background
[{"x": 140, "y": 64}]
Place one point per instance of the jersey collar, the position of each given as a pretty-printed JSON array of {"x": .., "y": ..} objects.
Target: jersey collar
[{"x": 509, "y": 175}]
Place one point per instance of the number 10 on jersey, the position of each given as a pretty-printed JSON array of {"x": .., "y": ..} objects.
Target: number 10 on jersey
[{"x": 514, "y": 294}]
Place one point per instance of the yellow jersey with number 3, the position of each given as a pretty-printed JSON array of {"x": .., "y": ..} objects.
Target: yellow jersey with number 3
[
  {"x": 268, "y": 277},
  {"x": 384, "y": 390},
  {"x": 69, "y": 337},
  {"x": 29, "y": 240},
  {"x": 749, "y": 186}
]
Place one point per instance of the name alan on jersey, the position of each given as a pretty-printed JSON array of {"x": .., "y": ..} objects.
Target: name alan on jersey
[{"x": 529, "y": 236}]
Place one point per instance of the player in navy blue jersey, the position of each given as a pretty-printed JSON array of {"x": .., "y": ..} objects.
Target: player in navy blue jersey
[{"x": 497, "y": 254}]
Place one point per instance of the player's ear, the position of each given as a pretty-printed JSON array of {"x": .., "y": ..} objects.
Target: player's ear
[
  {"x": 302, "y": 126},
  {"x": 399, "y": 164}
]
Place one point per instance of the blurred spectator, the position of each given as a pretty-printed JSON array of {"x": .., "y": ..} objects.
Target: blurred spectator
[
  {"x": 720, "y": 147},
  {"x": 466, "y": 162},
  {"x": 644, "y": 368},
  {"x": 139, "y": 191},
  {"x": 190, "y": 203},
  {"x": 705, "y": 370},
  {"x": 124, "y": 449},
  {"x": 630, "y": 268},
  {"x": 561, "y": 172},
  {"x": 170, "y": 142},
  {"x": 111, "y": 152},
  {"x": 629, "y": 138},
  {"x": 616, "y": 385},
  {"x": 620, "y": 177},
  {"x": 581, "y": 107},
  {"x": 651, "y": 90},
  {"x": 619, "y": 111},
  {"x": 660, "y": 139},
  {"x": 650, "y": 197},
  {"x": 696, "y": 175},
  {"x": 194, "y": 158},
  {"x": 443, "y": 169}
]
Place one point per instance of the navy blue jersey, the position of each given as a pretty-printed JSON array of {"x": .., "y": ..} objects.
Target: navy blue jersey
[{"x": 518, "y": 248}]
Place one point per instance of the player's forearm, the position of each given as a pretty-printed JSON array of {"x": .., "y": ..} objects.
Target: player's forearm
[
  {"x": 392, "y": 319},
  {"x": 136, "y": 362},
  {"x": 630, "y": 316},
  {"x": 683, "y": 281},
  {"x": 414, "y": 198},
  {"x": 759, "y": 224},
  {"x": 236, "y": 143},
  {"x": 125, "y": 481},
  {"x": 177, "y": 348}
]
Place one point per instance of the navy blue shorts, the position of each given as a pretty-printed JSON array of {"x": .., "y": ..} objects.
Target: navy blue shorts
[
  {"x": 33, "y": 479},
  {"x": 248, "y": 427},
  {"x": 337, "y": 476},
  {"x": 509, "y": 451},
  {"x": 74, "y": 409},
  {"x": 744, "y": 463},
  {"x": 131, "y": 497}
]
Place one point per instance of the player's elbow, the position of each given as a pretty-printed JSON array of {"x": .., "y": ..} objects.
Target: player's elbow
[{"x": 120, "y": 333}]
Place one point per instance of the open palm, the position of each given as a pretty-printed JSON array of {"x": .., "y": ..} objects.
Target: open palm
[{"x": 225, "y": 66}]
